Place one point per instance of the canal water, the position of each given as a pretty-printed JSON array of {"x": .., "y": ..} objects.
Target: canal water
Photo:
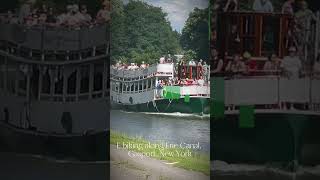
[{"x": 172, "y": 128}]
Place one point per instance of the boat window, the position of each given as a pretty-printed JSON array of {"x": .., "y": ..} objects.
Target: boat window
[
  {"x": 194, "y": 72},
  {"x": 58, "y": 81},
  {"x": 11, "y": 77},
  {"x": 145, "y": 84},
  {"x": 125, "y": 88},
  {"x": 149, "y": 81},
  {"x": 248, "y": 25},
  {"x": 113, "y": 86},
  {"x": 84, "y": 78},
  {"x": 98, "y": 77},
  {"x": 140, "y": 85},
  {"x": 233, "y": 35},
  {"x": 72, "y": 83},
  {"x": 248, "y": 45},
  {"x": 2, "y": 71},
  {"x": 120, "y": 87},
  {"x": 136, "y": 87},
  {"x": 132, "y": 88},
  {"x": 46, "y": 82},
  {"x": 270, "y": 35}
]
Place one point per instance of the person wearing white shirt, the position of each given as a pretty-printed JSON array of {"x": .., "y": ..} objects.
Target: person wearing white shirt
[
  {"x": 262, "y": 6},
  {"x": 291, "y": 64}
]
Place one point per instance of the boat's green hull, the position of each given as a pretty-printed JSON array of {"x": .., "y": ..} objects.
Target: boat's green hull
[
  {"x": 194, "y": 106},
  {"x": 275, "y": 137}
]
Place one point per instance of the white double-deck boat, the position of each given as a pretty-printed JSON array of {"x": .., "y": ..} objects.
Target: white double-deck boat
[{"x": 185, "y": 88}]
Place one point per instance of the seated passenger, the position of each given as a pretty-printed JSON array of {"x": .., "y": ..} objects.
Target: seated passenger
[
  {"x": 162, "y": 60},
  {"x": 230, "y": 63},
  {"x": 271, "y": 64},
  {"x": 218, "y": 64},
  {"x": 238, "y": 66},
  {"x": 262, "y": 6},
  {"x": 192, "y": 63},
  {"x": 143, "y": 65},
  {"x": 104, "y": 14},
  {"x": 291, "y": 64},
  {"x": 51, "y": 18},
  {"x": 42, "y": 19},
  {"x": 251, "y": 63},
  {"x": 86, "y": 17}
]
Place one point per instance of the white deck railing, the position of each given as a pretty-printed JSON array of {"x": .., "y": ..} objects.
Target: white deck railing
[{"x": 272, "y": 91}]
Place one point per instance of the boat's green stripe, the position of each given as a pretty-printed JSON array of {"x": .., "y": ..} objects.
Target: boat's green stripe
[{"x": 246, "y": 118}]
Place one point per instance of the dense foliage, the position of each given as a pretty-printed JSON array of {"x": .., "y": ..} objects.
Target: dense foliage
[
  {"x": 195, "y": 34},
  {"x": 141, "y": 32}
]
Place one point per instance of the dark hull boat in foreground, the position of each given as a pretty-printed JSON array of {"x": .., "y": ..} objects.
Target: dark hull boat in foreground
[{"x": 53, "y": 93}]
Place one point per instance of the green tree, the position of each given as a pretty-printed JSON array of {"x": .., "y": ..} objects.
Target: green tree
[
  {"x": 141, "y": 32},
  {"x": 195, "y": 34},
  {"x": 189, "y": 55}
]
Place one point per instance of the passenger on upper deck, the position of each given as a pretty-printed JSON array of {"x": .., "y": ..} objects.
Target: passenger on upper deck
[
  {"x": 32, "y": 16},
  {"x": 104, "y": 14},
  {"x": 231, "y": 5},
  {"x": 291, "y": 64},
  {"x": 217, "y": 62},
  {"x": 250, "y": 63},
  {"x": 51, "y": 18},
  {"x": 192, "y": 63},
  {"x": 86, "y": 17},
  {"x": 304, "y": 18},
  {"x": 143, "y": 65},
  {"x": 25, "y": 10},
  {"x": 234, "y": 39},
  {"x": 162, "y": 60},
  {"x": 263, "y": 6},
  {"x": 287, "y": 7},
  {"x": 238, "y": 66},
  {"x": 272, "y": 64}
]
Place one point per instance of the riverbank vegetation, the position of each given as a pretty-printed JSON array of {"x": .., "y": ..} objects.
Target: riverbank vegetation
[{"x": 142, "y": 32}]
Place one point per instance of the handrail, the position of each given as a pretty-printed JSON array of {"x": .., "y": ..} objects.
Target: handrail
[
  {"x": 54, "y": 39},
  {"x": 272, "y": 91},
  {"x": 125, "y": 73},
  {"x": 65, "y": 62},
  {"x": 255, "y": 13}
]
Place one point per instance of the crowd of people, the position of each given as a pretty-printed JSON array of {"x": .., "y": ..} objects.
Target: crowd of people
[
  {"x": 290, "y": 66},
  {"x": 131, "y": 66},
  {"x": 297, "y": 44},
  {"x": 74, "y": 15},
  {"x": 200, "y": 77}
]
